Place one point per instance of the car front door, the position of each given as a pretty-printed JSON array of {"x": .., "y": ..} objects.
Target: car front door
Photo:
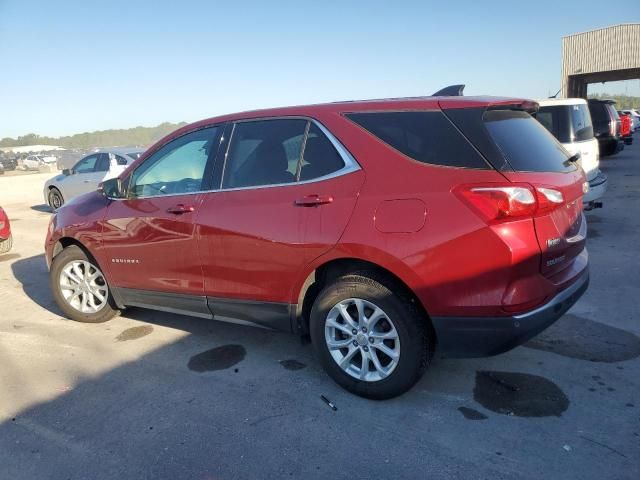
[
  {"x": 253, "y": 230},
  {"x": 83, "y": 176},
  {"x": 149, "y": 237}
]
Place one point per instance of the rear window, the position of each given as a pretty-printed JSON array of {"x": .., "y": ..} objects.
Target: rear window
[
  {"x": 428, "y": 137},
  {"x": 568, "y": 123},
  {"x": 525, "y": 144}
]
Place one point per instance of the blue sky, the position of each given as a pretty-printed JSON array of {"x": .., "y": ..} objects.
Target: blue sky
[{"x": 70, "y": 67}]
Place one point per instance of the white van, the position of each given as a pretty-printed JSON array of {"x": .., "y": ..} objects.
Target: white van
[{"x": 569, "y": 120}]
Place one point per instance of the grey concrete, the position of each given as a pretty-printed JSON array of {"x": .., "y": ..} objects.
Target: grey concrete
[{"x": 91, "y": 402}]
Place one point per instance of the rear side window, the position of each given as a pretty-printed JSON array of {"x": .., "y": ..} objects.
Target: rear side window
[
  {"x": 320, "y": 158},
  {"x": 525, "y": 144},
  {"x": 428, "y": 137},
  {"x": 264, "y": 152}
]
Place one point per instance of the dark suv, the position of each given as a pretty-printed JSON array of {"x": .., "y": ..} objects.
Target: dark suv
[
  {"x": 606, "y": 125},
  {"x": 383, "y": 229}
]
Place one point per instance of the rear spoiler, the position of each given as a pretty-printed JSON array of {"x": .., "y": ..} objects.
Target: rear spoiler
[{"x": 450, "y": 91}]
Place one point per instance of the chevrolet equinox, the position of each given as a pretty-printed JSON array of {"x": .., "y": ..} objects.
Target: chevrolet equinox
[{"x": 384, "y": 230}]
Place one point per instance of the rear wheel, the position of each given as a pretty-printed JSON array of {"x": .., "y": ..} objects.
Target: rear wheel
[
  {"x": 369, "y": 336},
  {"x": 5, "y": 245},
  {"x": 55, "y": 198},
  {"x": 80, "y": 288}
]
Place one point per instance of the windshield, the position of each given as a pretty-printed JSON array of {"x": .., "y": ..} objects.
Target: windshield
[{"x": 525, "y": 143}]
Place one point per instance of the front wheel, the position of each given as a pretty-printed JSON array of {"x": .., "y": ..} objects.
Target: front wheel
[
  {"x": 55, "y": 199},
  {"x": 80, "y": 288},
  {"x": 369, "y": 336}
]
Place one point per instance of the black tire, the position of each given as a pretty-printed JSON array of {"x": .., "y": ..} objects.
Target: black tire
[
  {"x": 55, "y": 198},
  {"x": 5, "y": 245},
  {"x": 61, "y": 260},
  {"x": 416, "y": 346}
]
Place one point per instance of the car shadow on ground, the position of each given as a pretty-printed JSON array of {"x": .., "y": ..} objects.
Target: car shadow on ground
[
  {"x": 43, "y": 208},
  {"x": 32, "y": 273}
]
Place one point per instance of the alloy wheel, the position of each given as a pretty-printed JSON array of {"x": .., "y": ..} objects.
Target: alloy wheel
[
  {"x": 362, "y": 339},
  {"x": 83, "y": 286}
]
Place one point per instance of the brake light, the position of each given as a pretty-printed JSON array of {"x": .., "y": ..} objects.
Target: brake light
[{"x": 500, "y": 203}]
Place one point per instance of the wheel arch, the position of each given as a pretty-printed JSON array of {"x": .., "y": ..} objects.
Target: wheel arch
[
  {"x": 324, "y": 273},
  {"x": 65, "y": 242}
]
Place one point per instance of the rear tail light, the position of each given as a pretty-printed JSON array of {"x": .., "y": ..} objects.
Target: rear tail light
[{"x": 500, "y": 203}]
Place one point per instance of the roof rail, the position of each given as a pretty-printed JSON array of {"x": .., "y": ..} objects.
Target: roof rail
[{"x": 450, "y": 91}]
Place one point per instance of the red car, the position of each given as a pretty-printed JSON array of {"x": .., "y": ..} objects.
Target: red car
[
  {"x": 6, "y": 240},
  {"x": 385, "y": 229},
  {"x": 625, "y": 128}
]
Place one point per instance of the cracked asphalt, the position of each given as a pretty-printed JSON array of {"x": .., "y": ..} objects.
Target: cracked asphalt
[{"x": 162, "y": 396}]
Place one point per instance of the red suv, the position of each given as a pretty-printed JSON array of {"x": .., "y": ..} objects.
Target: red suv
[{"x": 385, "y": 230}]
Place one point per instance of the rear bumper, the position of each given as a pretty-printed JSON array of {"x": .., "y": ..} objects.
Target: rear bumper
[
  {"x": 597, "y": 187},
  {"x": 467, "y": 337}
]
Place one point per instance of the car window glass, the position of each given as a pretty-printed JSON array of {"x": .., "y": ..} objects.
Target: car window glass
[
  {"x": 263, "y": 152},
  {"x": 102, "y": 165},
  {"x": 178, "y": 167},
  {"x": 427, "y": 137},
  {"x": 581, "y": 123},
  {"x": 525, "y": 144},
  {"x": 320, "y": 157},
  {"x": 86, "y": 165}
]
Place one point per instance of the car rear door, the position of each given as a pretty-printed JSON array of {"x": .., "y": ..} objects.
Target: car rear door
[{"x": 150, "y": 236}]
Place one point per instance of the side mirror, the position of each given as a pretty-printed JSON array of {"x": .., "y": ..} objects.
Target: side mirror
[
  {"x": 67, "y": 171},
  {"x": 111, "y": 188}
]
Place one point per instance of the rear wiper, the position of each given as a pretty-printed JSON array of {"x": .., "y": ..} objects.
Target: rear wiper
[{"x": 574, "y": 158}]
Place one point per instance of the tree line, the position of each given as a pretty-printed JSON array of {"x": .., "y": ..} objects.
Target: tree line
[
  {"x": 137, "y": 136},
  {"x": 623, "y": 102}
]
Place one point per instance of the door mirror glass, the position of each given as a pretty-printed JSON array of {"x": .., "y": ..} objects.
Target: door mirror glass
[{"x": 111, "y": 188}]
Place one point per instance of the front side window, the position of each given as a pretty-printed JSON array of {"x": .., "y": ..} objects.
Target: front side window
[
  {"x": 177, "y": 168},
  {"x": 87, "y": 164},
  {"x": 264, "y": 152},
  {"x": 102, "y": 165}
]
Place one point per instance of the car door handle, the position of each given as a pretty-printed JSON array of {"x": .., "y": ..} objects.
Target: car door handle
[
  {"x": 180, "y": 209},
  {"x": 313, "y": 200}
]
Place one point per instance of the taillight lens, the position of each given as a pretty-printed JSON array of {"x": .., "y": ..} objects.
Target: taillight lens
[{"x": 500, "y": 203}]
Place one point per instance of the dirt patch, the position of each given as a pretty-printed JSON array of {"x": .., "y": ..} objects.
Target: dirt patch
[
  {"x": 134, "y": 333},
  {"x": 292, "y": 364},
  {"x": 472, "y": 414}
]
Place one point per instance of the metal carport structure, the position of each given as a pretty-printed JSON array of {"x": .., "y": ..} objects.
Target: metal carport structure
[{"x": 603, "y": 55}]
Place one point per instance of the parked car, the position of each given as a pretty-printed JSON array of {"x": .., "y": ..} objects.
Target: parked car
[
  {"x": 626, "y": 129},
  {"x": 569, "y": 120},
  {"x": 8, "y": 162},
  {"x": 635, "y": 116},
  {"x": 34, "y": 162},
  {"x": 382, "y": 229},
  {"x": 86, "y": 174},
  {"x": 606, "y": 125},
  {"x": 6, "y": 239}
]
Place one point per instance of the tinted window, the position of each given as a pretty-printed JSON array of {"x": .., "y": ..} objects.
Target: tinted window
[
  {"x": 178, "y": 167},
  {"x": 556, "y": 120},
  {"x": 525, "y": 144},
  {"x": 320, "y": 158},
  {"x": 264, "y": 152},
  {"x": 428, "y": 137},
  {"x": 581, "y": 122},
  {"x": 102, "y": 165},
  {"x": 87, "y": 164}
]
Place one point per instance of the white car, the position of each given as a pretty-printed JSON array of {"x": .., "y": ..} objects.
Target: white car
[
  {"x": 33, "y": 162},
  {"x": 86, "y": 174},
  {"x": 569, "y": 120}
]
